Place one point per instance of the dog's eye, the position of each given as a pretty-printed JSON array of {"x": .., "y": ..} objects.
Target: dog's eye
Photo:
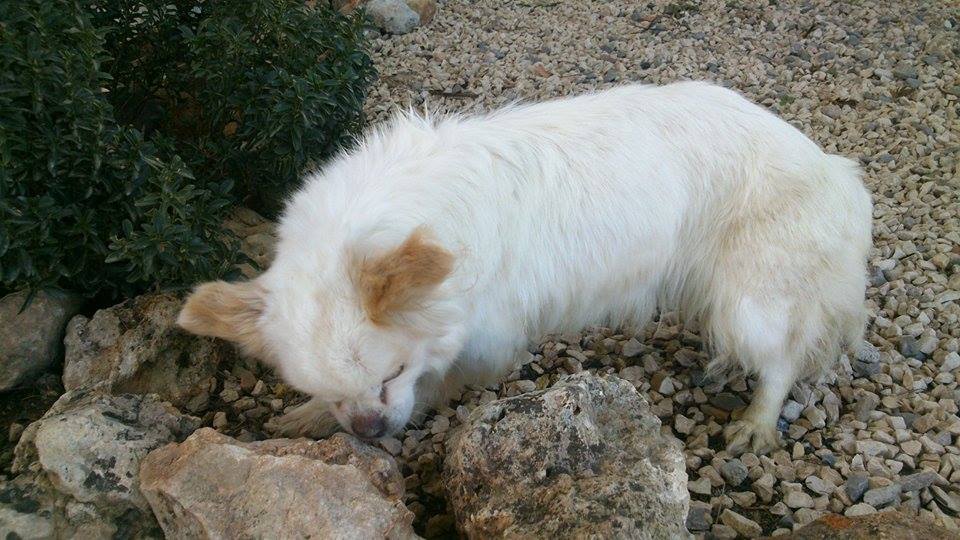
[{"x": 395, "y": 375}]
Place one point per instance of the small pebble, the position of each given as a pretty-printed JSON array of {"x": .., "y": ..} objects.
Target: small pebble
[
  {"x": 699, "y": 516},
  {"x": 859, "y": 509},
  {"x": 798, "y": 499},
  {"x": 856, "y": 485},
  {"x": 882, "y": 496},
  {"x": 734, "y": 472},
  {"x": 743, "y": 525}
]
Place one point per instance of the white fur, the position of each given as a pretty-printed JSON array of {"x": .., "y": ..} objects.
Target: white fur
[{"x": 594, "y": 209}]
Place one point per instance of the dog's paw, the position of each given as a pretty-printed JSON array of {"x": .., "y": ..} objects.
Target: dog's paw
[
  {"x": 748, "y": 436},
  {"x": 310, "y": 420}
]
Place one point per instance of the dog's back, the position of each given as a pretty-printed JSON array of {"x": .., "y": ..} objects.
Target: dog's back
[{"x": 605, "y": 207}]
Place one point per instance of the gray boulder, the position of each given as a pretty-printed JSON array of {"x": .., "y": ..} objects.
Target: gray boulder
[
  {"x": 425, "y": 9},
  {"x": 392, "y": 16},
  {"x": 31, "y": 341},
  {"x": 584, "y": 458}
]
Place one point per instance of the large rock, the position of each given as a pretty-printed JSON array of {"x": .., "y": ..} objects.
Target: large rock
[
  {"x": 425, "y": 9},
  {"x": 212, "y": 486},
  {"x": 79, "y": 466},
  {"x": 392, "y": 16},
  {"x": 584, "y": 458},
  {"x": 136, "y": 347},
  {"x": 32, "y": 340},
  {"x": 872, "y": 527}
]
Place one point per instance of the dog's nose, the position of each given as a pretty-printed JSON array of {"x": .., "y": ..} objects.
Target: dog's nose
[{"x": 368, "y": 425}]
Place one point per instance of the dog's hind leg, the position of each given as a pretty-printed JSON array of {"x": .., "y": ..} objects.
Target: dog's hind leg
[
  {"x": 758, "y": 335},
  {"x": 756, "y": 431}
]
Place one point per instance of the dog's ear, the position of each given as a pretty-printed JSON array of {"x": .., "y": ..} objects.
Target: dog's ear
[
  {"x": 395, "y": 282},
  {"x": 225, "y": 310}
]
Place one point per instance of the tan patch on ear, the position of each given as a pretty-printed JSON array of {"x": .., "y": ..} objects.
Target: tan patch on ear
[
  {"x": 225, "y": 310},
  {"x": 395, "y": 282}
]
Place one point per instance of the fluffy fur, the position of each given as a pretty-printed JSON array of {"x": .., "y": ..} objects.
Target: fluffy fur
[{"x": 435, "y": 251}]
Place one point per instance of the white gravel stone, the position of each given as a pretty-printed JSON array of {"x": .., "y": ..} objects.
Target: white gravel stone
[
  {"x": 791, "y": 410},
  {"x": 632, "y": 348},
  {"x": 700, "y": 486},
  {"x": 745, "y": 526},
  {"x": 882, "y": 496},
  {"x": 798, "y": 499},
  {"x": 819, "y": 486},
  {"x": 859, "y": 509}
]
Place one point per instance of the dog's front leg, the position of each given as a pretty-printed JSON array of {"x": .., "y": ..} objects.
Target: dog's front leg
[{"x": 311, "y": 419}]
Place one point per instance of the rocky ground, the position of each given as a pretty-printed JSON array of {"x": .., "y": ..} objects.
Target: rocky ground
[{"x": 874, "y": 81}]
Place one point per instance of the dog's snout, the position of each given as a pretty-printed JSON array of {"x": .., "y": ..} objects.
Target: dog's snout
[{"x": 368, "y": 425}]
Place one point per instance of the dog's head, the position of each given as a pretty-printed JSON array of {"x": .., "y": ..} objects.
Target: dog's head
[{"x": 356, "y": 325}]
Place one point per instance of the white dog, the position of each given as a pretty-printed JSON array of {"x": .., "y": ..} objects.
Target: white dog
[{"x": 433, "y": 253}]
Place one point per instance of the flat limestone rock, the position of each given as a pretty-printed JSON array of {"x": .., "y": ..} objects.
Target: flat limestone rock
[{"x": 213, "y": 486}]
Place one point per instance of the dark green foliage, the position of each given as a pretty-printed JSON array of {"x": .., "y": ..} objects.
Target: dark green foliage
[
  {"x": 124, "y": 127},
  {"x": 86, "y": 204},
  {"x": 251, "y": 89},
  {"x": 294, "y": 86},
  {"x": 172, "y": 235}
]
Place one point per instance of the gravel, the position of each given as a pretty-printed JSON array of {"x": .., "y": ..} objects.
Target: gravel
[
  {"x": 699, "y": 517},
  {"x": 875, "y": 81},
  {"x": 798, "y": 499},
  {"x": 859, "y": 509},
  {"x": 743, "y": 525},
  {"x": 734, "y": 472},
  {"x": 882, "y": 496},
  {"x": 791, "y": 410}
]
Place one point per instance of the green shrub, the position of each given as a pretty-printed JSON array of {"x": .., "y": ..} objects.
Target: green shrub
[
  {"x": 85, "y": 204},
  {"x": 251, "y": 90},
  {"x": 124, "y": 127}
]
